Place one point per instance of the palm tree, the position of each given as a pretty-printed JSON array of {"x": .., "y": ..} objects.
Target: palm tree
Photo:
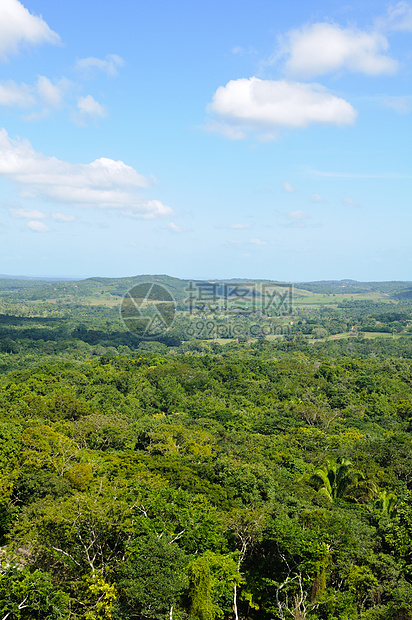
[
  {"x": 386, "y": 503},
  {"x": 339, "y": 480}
]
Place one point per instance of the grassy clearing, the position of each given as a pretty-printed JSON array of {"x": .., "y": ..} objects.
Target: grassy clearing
[
  {"x": 366, "y": 335},
  {"x": 306, "y": 298}
]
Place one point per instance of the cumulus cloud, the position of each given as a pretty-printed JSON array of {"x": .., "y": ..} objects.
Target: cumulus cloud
[
  {"x": 44, "y": 92},
  {"x": 265, "y": 105},
  {"x": 42, "y": 96},
  {"x": 46, "y": 95},
  {"x": 18, "y": 27},
  {"x": 103, "y": 183},
  {"x": 322, "y": 48},
  {"x": 88, "y": 105},
  {"x": 88, "y": 108},
  {"x": 109, "y": 65},
  {"x": 28, "y": 214},
  {"x": 38, "y": 226}
]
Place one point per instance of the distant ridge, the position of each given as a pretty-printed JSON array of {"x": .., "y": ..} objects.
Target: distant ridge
[
  {"x": 36, "y": 278},
  {"x": 353, "y": 286},
  {"x": 50, "y": 287}
]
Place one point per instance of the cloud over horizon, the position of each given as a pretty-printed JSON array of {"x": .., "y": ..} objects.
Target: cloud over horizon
[{"x": 103, "y": 183}]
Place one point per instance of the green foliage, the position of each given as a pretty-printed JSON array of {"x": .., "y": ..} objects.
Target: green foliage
[
  {"x": 143, "y": 480},
  {"x": 80, "y": 476},
  {"x": 151, "y": 580},
  {"x": 339, "y": 480},
  {"x": 30, "y": 595},
  {"x": 212, "y": 578},
  {"x": 95, "y": 597}
]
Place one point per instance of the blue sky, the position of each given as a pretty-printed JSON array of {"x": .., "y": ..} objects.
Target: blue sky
[{"x": 209, "y": 139}]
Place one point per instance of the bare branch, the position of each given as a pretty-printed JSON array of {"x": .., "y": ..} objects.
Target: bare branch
[{"x": 179, "y": 535}]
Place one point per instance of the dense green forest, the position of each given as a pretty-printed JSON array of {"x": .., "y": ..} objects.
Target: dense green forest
[{"x": 194, "y": 478}]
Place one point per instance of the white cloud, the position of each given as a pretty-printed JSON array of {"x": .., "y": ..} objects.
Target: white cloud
[
  {"x": 228, "y": 131},
  {"x": 172, "y": 226},
  {"x": 44, "y": 94},
  {"x": 399, "y": 17},
  {"x": 254, "y": 104},
  {"x": 148, "y": 209},
  {"x": 238, "y": 49},
  {"x": 19, "y": 27},
  {"x": 88, "y": 105},
  {"x": 296, "y": 219},
  {"x": 88, "y": 108},
  {"x": 297, "y": 215},
  {"x": 401, "y": 105},
  {"x": 38, "y": 226},
  {"x": 257, "y": 241},
  {"x": 322, "y": 48},
  {"x": 317, "y": 198},
  {"x": 52, "y": 94},
  {"x": 109, "y": 65},
  {"x": 349, "y": 202},
  {"x": 28, "y": 214},
  {"x": 239, "y": 226},
  {"x": 104, "y": 183},
  {"x": 289, "y": 189},
  {"x": 16, "y": 95},
  {"x": 60, "y": 217}
]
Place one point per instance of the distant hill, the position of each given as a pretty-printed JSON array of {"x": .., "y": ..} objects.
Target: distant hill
[
  {"x": 352, "y": 286},
  {"x": 50, "y": 288},
  {"x": 407, "y": 294}
]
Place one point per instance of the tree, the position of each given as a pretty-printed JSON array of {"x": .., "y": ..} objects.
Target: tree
[
  {"x": 339, "y": 480},
  {"x": 151, "y": 580},
  {"x": 30, "y": 596},
  {"x": 212, "y": 578},
  {"x": 78, "y": 535}
]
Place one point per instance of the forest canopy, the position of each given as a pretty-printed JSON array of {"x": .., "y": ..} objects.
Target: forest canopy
[{"x": 188, "y": 478}]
